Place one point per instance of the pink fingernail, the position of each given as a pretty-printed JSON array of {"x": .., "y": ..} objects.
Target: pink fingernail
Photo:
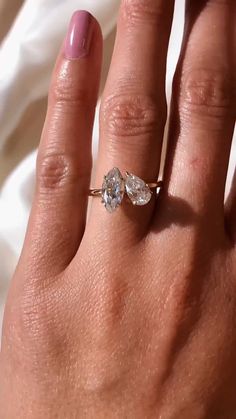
[{"x": 79, "y": 35}]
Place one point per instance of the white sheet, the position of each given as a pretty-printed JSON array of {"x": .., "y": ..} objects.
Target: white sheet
[{"x": 29, "y": 51}]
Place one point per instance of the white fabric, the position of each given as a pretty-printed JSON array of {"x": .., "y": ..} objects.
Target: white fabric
[
  {"x": 29, "y": 51},
  {"x": 31, "y": 47}
]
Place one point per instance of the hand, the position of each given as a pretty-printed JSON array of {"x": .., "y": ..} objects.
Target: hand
[{"x": 132, "y": 314}]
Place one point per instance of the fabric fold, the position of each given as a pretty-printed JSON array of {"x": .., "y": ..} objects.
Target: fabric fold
[{"x": 29, "y": 51}]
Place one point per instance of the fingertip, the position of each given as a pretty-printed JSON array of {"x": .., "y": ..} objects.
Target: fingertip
[
  {"x": 77, "y": 69},
  {"x": 83, "y": 27}
]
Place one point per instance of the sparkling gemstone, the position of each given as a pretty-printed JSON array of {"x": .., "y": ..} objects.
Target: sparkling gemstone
[
  {"x": 137, "y": 190},
  {"x": 113, "y": 190}
]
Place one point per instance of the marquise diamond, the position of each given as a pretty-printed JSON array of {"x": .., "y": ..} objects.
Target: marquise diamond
[
  {"x": 137, "y": 190},
  {"x": 113, "y": 190}
]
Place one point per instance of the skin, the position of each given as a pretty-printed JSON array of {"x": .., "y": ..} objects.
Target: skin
[{"x": 131, "y": 315}]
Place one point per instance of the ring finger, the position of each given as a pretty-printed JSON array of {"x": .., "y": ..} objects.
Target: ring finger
[{"x": 133, "y": 111}]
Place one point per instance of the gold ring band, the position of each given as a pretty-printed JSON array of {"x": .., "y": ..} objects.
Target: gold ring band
[{"x": 98, "y": 192}]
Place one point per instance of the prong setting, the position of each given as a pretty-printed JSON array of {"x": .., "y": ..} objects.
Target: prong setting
[{"x": 115, "y": 187}]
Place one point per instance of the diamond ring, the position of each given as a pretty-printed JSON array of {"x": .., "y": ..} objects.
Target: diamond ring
[{"x": 115, "y": 186}]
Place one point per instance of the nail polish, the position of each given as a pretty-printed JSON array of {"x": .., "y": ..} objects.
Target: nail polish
[{"x": 79, "y": 35}]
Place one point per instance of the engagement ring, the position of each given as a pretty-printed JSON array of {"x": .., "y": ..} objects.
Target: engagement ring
[{"x": 115, "y": 187}]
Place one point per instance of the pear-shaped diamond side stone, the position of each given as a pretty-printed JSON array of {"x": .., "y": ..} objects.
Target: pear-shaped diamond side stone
[
  {"x": 137, "y": 190},
  {"x": 113, "y": 190}
]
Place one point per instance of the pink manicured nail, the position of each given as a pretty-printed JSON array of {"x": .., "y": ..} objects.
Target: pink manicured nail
[{"x": 79, "y": 35}]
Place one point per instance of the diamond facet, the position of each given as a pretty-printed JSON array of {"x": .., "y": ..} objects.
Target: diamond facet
[
  {"x": 113, "y": 190},
  {"x": 137, "y": 190}
]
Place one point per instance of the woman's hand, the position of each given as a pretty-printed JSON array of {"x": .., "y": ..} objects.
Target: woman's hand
[{"x": 132, "y": 314}]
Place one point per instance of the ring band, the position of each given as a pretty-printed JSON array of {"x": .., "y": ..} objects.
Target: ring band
[
  {"x": 115, "y": 187},
  {"x": 98, "y": 192}
]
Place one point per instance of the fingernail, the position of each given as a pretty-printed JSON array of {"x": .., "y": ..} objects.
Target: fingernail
[{"x": 79, "y": 35}]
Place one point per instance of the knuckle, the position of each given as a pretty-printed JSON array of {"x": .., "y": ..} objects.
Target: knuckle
[
  {"x": 136, "y": 11},
  {"x": 55, "y": 170},
  {"x": 130, "y": 116},
  {"x": 66, "y": 90},
  {"x": 207, "y": 92}
]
